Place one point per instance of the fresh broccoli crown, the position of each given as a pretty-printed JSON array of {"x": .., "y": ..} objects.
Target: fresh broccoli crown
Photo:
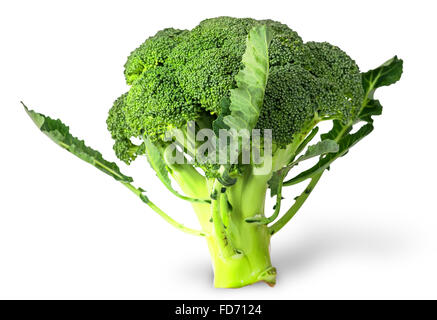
[{"x": 180, "y": 75}]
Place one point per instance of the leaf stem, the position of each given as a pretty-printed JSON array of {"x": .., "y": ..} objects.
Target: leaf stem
[
  {"x": 296, "y": 206},
  {"x": 165, "y": 216}
]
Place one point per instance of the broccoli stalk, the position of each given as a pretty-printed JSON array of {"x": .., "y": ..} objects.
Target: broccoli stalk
[
  {"x": 235, "y": 75},
  {"x": 239, "y": 250}
]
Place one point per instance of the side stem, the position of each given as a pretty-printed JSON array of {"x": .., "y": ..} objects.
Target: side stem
[
  {"x": 165, "y": 216},
  {"x": 296, "y": 206}
]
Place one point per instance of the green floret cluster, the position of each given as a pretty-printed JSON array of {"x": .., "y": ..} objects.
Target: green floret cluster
[
  {"x": 290, "y": 102},
  {"x": 324, "y": 83},
  {"x": 152, "y": 53},
  {"x": 124, "y": 149},
  {"x": 340, "y": 78}
]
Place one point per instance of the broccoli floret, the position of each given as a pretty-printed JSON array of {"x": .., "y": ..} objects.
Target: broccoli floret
[
  {"x": 116, "y": 120},
  {"x": 325, "y": 82},
  {"x": 156, "y": 103},
  {"x": 290, "y": 102},
  {"x": 124, "y": 149},
  {"x": 152, "y": 53},
  {"x": 341, "y": 79}
]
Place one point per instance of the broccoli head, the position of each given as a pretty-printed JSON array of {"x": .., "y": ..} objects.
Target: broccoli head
[{"x": 179, "y": 75}]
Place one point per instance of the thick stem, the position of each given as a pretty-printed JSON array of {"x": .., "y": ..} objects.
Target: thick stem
[
  {"x": 249, "y": 243},
  {"x": 239, "y": 250}
]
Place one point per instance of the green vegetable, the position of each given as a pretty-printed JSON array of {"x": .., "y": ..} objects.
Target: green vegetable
[{"x": 236, "y": 75}]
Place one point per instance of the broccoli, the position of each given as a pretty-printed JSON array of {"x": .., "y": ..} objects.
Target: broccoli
[{"x": 240, "y": 76}]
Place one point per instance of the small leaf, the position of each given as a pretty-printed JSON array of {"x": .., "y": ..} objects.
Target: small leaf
[
  {"x": 318, "y": 149},
  {"x": 344, "y": 144},
  {"x": 60, "y": 134},
  {"x": 274, "y": 182},
  {"x": 385, "y": 75}
]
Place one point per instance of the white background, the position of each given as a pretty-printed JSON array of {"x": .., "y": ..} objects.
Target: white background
[{"x": 369, "y": 230}]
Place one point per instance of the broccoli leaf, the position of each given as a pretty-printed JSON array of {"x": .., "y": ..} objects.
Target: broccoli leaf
[
  {"x": 247, "y": 98},
  {"x": 385, "y": 75},
  {"x": 344, "y": 145},
  {"x": 60, "y": 134}
]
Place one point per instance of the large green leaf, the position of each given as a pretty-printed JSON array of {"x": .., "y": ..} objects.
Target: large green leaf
[
  {"x": 247, "y": 98},
  {"x": 60, "y": 134}
]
